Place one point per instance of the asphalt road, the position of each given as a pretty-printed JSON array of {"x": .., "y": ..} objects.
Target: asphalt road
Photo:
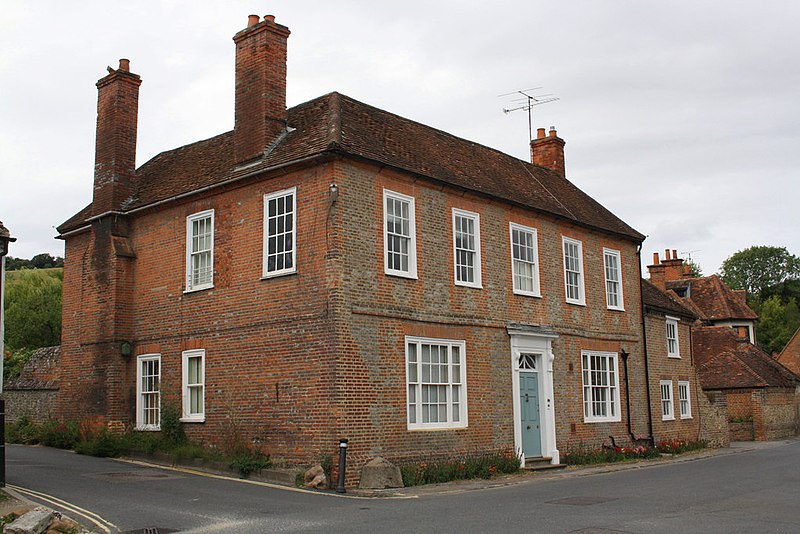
[{"x": 754, "y": 490}]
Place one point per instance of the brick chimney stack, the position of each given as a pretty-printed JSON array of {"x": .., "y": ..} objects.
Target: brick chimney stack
[
  {"x": 669, "y": 269},
  {"x": 548, "y": 150},
  {"x": 261, "y": 116},
  {"x": 115, "y": 142}
]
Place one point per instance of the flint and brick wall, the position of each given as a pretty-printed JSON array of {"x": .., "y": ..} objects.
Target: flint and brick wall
[{"x": 33, "y": 393}]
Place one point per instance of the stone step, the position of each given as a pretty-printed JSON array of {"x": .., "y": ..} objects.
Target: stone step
[{"x": 541, "y": 463}]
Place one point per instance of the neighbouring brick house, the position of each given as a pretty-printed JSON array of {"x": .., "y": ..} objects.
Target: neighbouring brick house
[
  {"x": 33, "y": 393},
  {"x": 790, "y": 355},
  {"x": 337, "y": 271},
  {"x": 674, "y": 390},
  {"x": 761, "y": 397}
]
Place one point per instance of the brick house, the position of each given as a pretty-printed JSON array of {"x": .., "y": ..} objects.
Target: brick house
[
  {"x": 790, "y": 355},
  {"x": 334, "y": 270},
  {"x": 674, "y": 389},
  {"x": 761, "y": 397}
]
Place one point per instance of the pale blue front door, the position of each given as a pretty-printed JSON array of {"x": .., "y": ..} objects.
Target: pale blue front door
[{"x": 529, "y": 408}]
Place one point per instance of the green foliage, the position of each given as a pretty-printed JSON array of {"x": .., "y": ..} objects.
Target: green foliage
[
  {"x": 60, "y": 434},
  {"x": 23, "y": 431},
  {"x": 15, "y": 361},
  {"x": 758, "y": 268},
  {"x": 467, "y": 467},
  {"x": 105, "y": 445},
  {"x": 40, "y": 261},
  {"x": 9, "y": 518},
  {"x": 171, "y": 427},
  {"x": 584, "y": 456},
  {"x": 248, "y": 461},
  {"x": 694, "y": 268},
  {"x": 679, "y": 446},
  {"x": 777, "y": 323},
  {"x": 33, "y": 308}
]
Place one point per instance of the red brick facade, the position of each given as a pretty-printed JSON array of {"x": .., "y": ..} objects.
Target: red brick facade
[{"x": 294, "y": 362}]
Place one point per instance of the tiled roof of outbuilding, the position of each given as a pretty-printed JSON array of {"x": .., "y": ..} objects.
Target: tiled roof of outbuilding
[
  {"x": 725, "y": 361},
  {"x": 339, "y": 124},
  {"x": 664, "y": 302},
  {"x": 713, "y": 298}
]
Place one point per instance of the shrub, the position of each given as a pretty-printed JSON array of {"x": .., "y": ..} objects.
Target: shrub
[
  {"x": 106, "y": 444},
  {"x": 466, "y": 467},
  {"x": 60, "y": 434},
  {"x": 678, "y": 446},
  {"x": 248, "y": 461},
  {"x": 584, "y": 456},
  {"x": 23, "y": 431},
  {"x": 171, "y": 427}
]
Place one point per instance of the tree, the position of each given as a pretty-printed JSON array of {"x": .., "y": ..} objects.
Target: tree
[
  {"x": 760, "y": 267},
  {"x": 40, "y": 261},
  {"x": 694, "y": 268},
  {"x": 777, "y": 323},
  {"x": 33, "y": 308}
]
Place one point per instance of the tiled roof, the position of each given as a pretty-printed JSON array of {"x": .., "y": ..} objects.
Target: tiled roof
[
  {"x": 790, "y": 355},
  {"x": 713, "y": 299},
  {"x": 725, "y": 361},
  {"x": 40, "y": 372},
  {"x": 338, "y": 124},
  {"x": 665, "y": 302}
]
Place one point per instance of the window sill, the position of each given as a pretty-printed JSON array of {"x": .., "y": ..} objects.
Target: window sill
[
  {"x": 401, "y": 274},
  {"x": 197, "y": 289},
  {"x": 616, "y": 309},
  {"x": 270, "y": 276},
  {"x": 606, "y": 420},
  {"x": 464, "y": 284},
  {"x": 148, "y": 429},
  {"x": 674, "y": 356},
  {"x": 668, "y": 418},
  {"x": 435, "y": 428},
  {"x": 576, "y": 303},
  {"x": 687, "y": 417},
  {"x": 527, "y": 293},
  {"x": 193, "y": 419}
]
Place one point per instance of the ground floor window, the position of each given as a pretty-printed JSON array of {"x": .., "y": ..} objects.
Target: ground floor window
[
  {"x": 194, "y": 363},
  {"x": 667, "y": 411},
  {"x": 436, "y": 383},
  {"x": 148, "y": 392},
  {"x": 684, "y": 401},
  {"x": 600, "y": 386}
]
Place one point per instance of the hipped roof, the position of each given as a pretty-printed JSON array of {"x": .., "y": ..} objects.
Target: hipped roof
[{"x": 338, "y": 124}]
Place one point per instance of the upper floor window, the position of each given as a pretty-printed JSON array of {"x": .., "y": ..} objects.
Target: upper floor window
[
  {"x": 573, "y": 271},
  {"x": 667, "y": 410},
  {"x": 525, "y": 260},
  {"x": 613, "y": 274},
  {"x": 467, "y": 248},
  {"x": 200, "y": 250},
  {"x": 436, "y": 382},
  {"x": 194, "y": 371},
  {"x": 399, "y": 240},
  {"x": 280, "y": 227},
  {"x": 684, "y": 401},
  {"x": 673, "y": 348},
  {"x": 600, "y": 386},
  {"x": 148, "y": 392}
]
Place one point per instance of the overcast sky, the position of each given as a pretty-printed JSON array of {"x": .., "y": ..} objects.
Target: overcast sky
[{"x": 682, "y": 117}]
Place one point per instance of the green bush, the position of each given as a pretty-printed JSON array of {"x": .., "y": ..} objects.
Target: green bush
[
  {"x": 678, "y": 446},
  {"x": 23, "y": 431},
  {"x": 248, "y": 461},
  {"x": 60, "y": 434},
  {"x": 172, "y": 432},
  {"x": 584, "y": 456},
  {"x": 466, "y": 467},
  {"x": 105, "y": 445}
]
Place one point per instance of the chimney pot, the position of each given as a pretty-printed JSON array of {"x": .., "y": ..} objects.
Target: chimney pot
[
  {"x": 269, "y": 18},
  {"x": 553, "y": 131},
  {"x": 674, "y": 254},
  {"x": 125, "y": 65},
  {"x": 252, "y": 20},
  {"x": 540, "y": 133},
  {"x": 656, "y": 260},
  {"x": 666, "y": 254}
]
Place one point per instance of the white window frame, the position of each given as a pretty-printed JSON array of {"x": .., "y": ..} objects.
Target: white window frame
[
  {"x": 581, "y": 298},
  {"x": 533, "y": 265},
  {"x": 411, "y": 272},
  {"x": 667, "y": 402},
  {"x": 155, "y": 394},
  {"x": 672, "y": 337},
  {"x": 610, "y": 282},
  {"x": 415, "y": 383},
  {"x": 601, "y": 392},
  {"x": 474, "y": 252},
  {"x": 266, "y": 272},
  {"x": 684, "y": 399},
  {"x": 187, "y": 387},
  {"x": 191, "y": 253}
]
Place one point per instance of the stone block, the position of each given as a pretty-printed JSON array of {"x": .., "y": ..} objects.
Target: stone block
[{"x": 379, "y": 474}]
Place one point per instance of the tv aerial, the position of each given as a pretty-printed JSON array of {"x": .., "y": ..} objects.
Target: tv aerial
[{"x": 526, "y": 100}]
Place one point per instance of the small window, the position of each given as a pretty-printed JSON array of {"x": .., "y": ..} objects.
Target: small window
[
  {"x": 399, "y": 239},
  {"x": 194, "y": 373},
  {"x": 436, "y": 383},
  {"x": 200, "y": 251},
  {"x": 525, "y": 260},
  {"x": 600, "y": 386},
  {"x": 667, "y": 411},
  {"x": 467, "y": 248},
  {"x": 573, "y": 271},
  {"x": 280, "y": 228},
  {"x": 673, "y": 348},
  {"x": 148, "y": 392},
  {"x": 684, "y": 401},
  {"x": 613, "y": 274}
]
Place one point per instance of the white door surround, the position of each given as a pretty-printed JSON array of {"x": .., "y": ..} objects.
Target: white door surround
[{"x": 534, "y": 341}]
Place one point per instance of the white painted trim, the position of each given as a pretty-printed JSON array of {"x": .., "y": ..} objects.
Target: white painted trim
[
  {"x": 618, "y": 255},
  {"x": 617, "y": 401},
  {"x": 476, "y": 218},
  {"x": 669, "y": 320},
  {"x": 581, "y": 300},
  {"x": 412, "y": 230},
  {"x": 685, "y": 383},
  {"x": 537, "y": 292},
  {"x": 542, "y": 346},
  {"x": 189, "y": 220},
  {"x": 667, "y": 416},
  {"x": 139, "y": 407},
  {"x": 187, "y": 417},
  {"x": 264, "y": 256},
  {"x": 464, "y": 412}
]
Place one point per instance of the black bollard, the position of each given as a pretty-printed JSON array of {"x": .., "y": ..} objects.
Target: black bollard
[
  {"x": 2, "y": 443},
  {"x": 342, "y": 464}
]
